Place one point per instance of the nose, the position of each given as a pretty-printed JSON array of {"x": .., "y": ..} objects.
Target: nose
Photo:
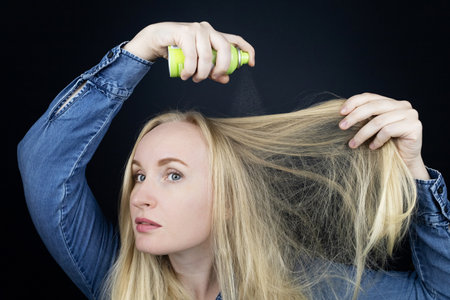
[{"x": 143, "y": 196}]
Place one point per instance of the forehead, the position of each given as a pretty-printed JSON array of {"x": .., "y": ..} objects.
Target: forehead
[{"x": 177, "y": 139}]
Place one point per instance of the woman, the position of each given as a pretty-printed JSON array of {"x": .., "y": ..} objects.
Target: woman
[{"x": 288, "y": 206}]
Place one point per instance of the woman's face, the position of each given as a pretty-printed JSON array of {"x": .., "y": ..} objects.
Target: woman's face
[{"x": 171, "y": 201}]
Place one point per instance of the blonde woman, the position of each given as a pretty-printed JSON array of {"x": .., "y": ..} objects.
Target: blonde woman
[{"x": 302, "y": 205}]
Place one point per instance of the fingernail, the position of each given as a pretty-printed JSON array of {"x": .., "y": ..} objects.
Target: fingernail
[
  {"x": 343, "y": 124},
  {"x": 352, "y": 143},
  {"x": 343, "y": 110}
]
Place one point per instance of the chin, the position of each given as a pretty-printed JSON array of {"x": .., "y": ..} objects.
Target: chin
[{"x": 150, "y": 247}]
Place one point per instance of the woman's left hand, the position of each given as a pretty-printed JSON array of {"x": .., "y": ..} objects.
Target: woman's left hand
[{"x": 391, "y": 119}]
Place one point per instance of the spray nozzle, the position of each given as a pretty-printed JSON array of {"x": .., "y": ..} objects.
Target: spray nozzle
[{"x": 244, "y": 57}]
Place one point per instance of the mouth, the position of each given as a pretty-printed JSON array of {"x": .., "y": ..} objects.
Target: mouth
[{"x": 145, "y": 225}]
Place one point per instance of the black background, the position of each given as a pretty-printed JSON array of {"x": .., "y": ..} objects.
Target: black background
[{"x": 303, "y": 49}]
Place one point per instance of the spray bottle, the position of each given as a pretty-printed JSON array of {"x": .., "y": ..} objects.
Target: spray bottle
[{"x": 176, "y": 60}]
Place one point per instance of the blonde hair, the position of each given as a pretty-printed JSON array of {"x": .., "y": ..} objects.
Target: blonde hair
[{"x": 292, "y": 203}]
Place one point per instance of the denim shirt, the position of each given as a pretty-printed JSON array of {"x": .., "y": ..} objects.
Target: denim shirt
[{"x": 53, "y": 156}]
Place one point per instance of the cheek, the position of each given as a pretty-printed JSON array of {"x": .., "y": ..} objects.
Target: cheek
[
  {"x": 187, "y": 225},
  {"x": 192, "y": 213},
  {"x": 194, "y": 210},
  {"x": 185, "y": 211}
]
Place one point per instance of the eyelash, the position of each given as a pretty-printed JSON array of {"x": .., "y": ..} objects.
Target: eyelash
[
  {"x": 136, "y": 176},
  {"x": 168, "y": 174},
  {"x": 173, "y": 172}
]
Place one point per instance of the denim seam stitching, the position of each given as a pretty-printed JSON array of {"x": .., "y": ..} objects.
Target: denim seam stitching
[
  {"x": 107, "y": 88},
  {"x": 418, "y": 267},
  {"x": 62, "y": 213},
  {"x": 55, "y": 114},
  {"x": 68, "y": 248},
  {"x": 54, "y": 109}
]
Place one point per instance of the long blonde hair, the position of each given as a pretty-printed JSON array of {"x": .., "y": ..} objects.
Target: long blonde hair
[{"x": 292, "y": 203}]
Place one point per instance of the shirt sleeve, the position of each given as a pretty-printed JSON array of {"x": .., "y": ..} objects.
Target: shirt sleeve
[
  {"x": 52, "y": 159},
  {"x": 430, "y": 247},
  {"x": 430, "y": 243},
  {"x": 430, "y": 236}
]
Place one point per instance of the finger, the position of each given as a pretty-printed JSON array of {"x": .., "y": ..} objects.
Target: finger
[
  {"x": 399, "y": 129},
  {"x": 223, "y": 56},
  {"x": 205, "y": 57},
  {"x": 188, "y": 46},
  {"x": 357, "y": 100},
  {"x": 376, "y": 125},
  {"x": 221, "y": 79},
  {"x": 243, "y": 45},
  {"x": 370, "y": 108}
]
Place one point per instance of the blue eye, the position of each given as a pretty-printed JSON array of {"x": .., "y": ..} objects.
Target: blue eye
[
  {"x": 139, "y": 177},
  {"x": 173, "y": 176}
]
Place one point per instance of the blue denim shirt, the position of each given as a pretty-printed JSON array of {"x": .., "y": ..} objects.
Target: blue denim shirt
[{"x": 54, "y": 154}]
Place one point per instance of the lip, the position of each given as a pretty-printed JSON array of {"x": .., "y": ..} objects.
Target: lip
[{"x": 145, "y": 225}]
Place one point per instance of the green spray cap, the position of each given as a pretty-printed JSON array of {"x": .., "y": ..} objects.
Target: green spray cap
[
  {"x": 244, "y": 57},
  {"x": 176, "y": 59}
]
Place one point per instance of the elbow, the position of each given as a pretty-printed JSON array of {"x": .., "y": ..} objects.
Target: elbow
[
  {"x": 25, "y": 163},
  {"x": 31, "y": 161},
  {"x": 40, "y": 186},
  {"x": 22, "y": 155},
  {"x": 25, "y": 155},
  {"x": 33, "y": 148}
]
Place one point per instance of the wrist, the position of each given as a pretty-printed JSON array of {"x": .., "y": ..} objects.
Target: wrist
[
  {"x": 136, "y": 49},
  {"x": 418, "y": 170},
  {"x": 143, "y": 45}
]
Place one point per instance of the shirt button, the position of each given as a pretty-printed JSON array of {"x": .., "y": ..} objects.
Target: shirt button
[
  {"x": 110, "y": 54},
  {"x": 440, "y": 189}
]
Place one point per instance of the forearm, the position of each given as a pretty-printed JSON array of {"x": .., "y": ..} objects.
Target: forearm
[{"x": 53, "y": 157}]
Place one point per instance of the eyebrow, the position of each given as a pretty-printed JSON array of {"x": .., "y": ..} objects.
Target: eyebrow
[
  {"x": 167, "y": 160},
  {"x": 163, "y": 161}
]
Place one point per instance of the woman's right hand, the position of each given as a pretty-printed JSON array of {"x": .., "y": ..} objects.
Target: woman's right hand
[{"x": 196, "y": 40}]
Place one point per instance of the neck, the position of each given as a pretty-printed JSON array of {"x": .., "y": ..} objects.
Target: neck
[{"x": 196, "y": 272}]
